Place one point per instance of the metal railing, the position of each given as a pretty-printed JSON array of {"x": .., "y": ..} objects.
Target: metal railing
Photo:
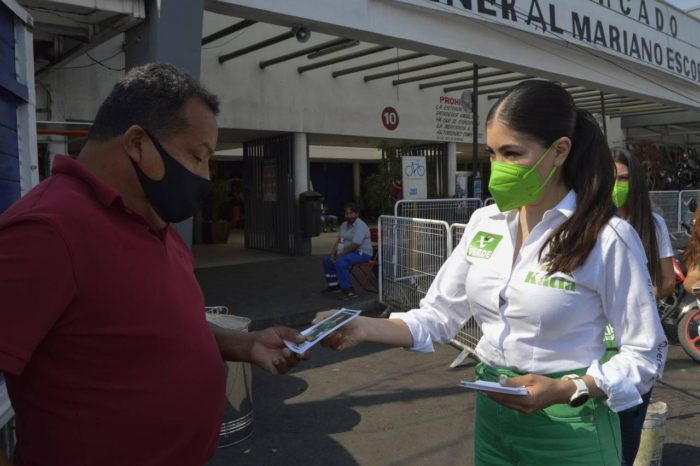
[
  {"x": 448, "y": 210},
  {"x": 673, "y": 207},
  {"x": 685, "y": 215},
  {"x": 665, "y": 203},
  {"x": 411, "y": 251},
  {"x": 470, "y": 334}
]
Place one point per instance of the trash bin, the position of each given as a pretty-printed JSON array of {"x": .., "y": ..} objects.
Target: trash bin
[
  {"x": 310, "y": 213},
  {"x": 237, "y": 424}
]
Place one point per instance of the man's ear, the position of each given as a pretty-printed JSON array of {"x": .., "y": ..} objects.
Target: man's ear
[
  {"x": 561, "y": 151},
  {"x": 133, "y": 141}
]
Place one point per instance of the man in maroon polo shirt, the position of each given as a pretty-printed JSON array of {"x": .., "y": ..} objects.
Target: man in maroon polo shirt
[{"x": 103, "y": 341}]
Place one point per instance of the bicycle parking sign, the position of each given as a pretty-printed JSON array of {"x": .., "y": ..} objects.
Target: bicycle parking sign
[{"x": 414, "y": 179}]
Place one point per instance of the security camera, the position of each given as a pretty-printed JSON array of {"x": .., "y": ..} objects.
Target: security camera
[{"x": 302, "y": 34}]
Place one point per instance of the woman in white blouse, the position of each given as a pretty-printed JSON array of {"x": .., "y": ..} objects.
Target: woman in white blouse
[
  {"x": 542, "y": 272},
  {"x": 631, "y": 197}
]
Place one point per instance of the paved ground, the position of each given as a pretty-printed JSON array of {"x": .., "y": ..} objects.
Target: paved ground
[
  {"x": 269, "y": 288},
  {"x": 378, "y": 406},
  {"x": 374, "y": 406},
  {"x": 283, "y": 291}
]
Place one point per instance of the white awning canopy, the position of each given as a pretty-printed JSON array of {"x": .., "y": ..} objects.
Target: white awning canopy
[{"x": 570, "y": 41}]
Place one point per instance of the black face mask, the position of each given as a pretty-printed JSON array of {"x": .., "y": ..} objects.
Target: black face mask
[{"x": 178, "y": 195}]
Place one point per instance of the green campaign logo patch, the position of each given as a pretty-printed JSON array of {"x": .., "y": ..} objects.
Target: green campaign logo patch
[{"x": 483, "y": 244}]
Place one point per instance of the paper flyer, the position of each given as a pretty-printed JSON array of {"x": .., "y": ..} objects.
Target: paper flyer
[
  {"x": 493, "y": 387},
  {"x": 320, "y": 330}
]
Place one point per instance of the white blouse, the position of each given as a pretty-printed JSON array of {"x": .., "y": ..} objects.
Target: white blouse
[
  {"x": 534, "y": 323},
  {"x": 663, "y": 238}
]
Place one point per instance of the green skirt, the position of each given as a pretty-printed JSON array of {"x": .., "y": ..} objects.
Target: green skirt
[{"x": 558, "y": 435}]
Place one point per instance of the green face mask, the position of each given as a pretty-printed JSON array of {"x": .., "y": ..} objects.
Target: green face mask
[
  {"x": 514, "y": 186},
  {"x": 621, "y": 191}
]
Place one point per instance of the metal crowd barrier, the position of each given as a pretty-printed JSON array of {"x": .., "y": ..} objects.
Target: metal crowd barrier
[
  {"x": 470, "y": 334},
  {"x": 456, "y": 232},
  {"x": 665, "y": 203},
  {"x": 489, "y": 201},
  {"x": 411, "y": 251},
  {"x": 673, "y": 207},
  {"x": 448, "y": 210},
  {"x": 685, "y": 215}
]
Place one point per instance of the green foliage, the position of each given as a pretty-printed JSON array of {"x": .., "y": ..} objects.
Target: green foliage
[
  {"x": 391, "y": 157},
  {"x": 215, "y": 200},
  {"x": 379, "y": 193}
]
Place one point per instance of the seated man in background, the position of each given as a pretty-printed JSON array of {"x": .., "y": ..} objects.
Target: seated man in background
[{"x": 354, "y": 246}]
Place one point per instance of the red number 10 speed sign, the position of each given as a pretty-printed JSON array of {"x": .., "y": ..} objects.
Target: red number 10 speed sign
[{"x": 390, "y": 118}]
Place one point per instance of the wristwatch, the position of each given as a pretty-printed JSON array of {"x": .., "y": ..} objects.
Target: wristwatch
[{"x": 581, "y": 395}]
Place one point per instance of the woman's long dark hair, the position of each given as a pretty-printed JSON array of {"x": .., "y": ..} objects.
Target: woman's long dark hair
[
  {"x": 639, "y": 211},
  {"x": 544, "y": 111}
]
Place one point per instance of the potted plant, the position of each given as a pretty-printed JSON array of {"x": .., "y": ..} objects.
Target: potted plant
[
  {"x": 383, "y": 188},
  {"x": 378, "y": 198},
  {"x": 215, "y": 228}
]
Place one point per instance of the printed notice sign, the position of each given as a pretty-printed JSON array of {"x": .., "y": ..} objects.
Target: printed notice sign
[{"x": 453, "y": 119}]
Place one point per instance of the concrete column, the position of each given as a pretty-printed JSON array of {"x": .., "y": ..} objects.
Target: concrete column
[
  {"x": 301, "y": 180},
  {"x": 451, "y": 168},
  {"x": 56, "y": 145},
  {"x": 301, "y": 164},
  {"x": 356, "y": 183},
  {"x": 173, "y": 34}
]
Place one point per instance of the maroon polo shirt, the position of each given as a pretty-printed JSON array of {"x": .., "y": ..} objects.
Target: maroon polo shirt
[{"x": 103, "y": 339}]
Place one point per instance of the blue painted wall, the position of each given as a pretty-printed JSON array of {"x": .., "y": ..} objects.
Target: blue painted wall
[
  {"x": 12, "y": 93},
  {"x": 334, "y": 181}
]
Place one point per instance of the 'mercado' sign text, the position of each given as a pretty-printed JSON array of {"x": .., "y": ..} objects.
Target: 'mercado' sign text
[{"x": 644, "y": 31}]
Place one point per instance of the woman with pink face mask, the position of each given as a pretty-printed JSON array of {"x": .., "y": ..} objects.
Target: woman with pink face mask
[{"x": 542, "y": 272}]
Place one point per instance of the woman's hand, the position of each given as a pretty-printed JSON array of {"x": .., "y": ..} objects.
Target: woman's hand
[
  {"x": 543, "y": 392},
  {"x": 346, "y": 336}
]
